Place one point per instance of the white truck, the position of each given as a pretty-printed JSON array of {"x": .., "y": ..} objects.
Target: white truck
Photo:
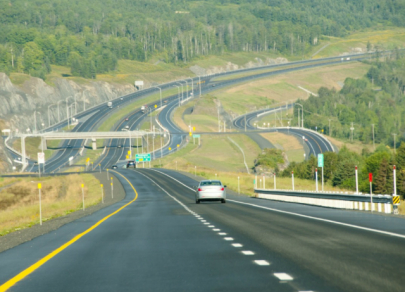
[
  {"x": 143, "y": 108},
  {"x": 109, "y": 104}
]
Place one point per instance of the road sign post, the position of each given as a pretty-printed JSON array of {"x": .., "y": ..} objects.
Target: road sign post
[
  {"x": 316, "y": 179},
  {"x": 40, "y": 207},
  {"x": 83, "y": 195},
  {"x": 321, "y": 164},
  {"x": 370, "y": 178},
  {"x": 357, "y": 180}
]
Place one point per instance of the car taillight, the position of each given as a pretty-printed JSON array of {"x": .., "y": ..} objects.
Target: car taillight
[
  {"x": 222, "y": 189},
  {"x": 200, "y": 189}
]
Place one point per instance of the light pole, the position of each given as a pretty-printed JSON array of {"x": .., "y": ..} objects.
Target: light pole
[
  {"x": 49, "y": 116},
  {"x": 302, "y": 118},
  {"x": 199, "y": 82},
  {"x": 192, "y": 85},
  {"x": 160, "y": 94},
  {"x": 58, "y": 109},
  {"x": 181, "y": 84}
]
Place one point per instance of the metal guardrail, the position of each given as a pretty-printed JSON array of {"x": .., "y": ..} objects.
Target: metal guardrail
[{"x": 380, "y": 203}]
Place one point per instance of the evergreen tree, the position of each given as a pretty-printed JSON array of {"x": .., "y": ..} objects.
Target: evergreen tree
[{"x": 380, "y": 181}]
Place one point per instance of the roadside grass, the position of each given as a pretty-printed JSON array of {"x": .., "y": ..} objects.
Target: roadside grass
[
  {"x": 216, "y": 152},
  {"x": 266, "y": 91},
  {"x": 385, "y": 39},
  {"x": 355, "y": 146},
  {"x": 19, "y": 203},
  {"x": 288, "y": 143}
]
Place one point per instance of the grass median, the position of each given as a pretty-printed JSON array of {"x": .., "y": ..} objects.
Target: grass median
[{"x": 61, "y": 195}]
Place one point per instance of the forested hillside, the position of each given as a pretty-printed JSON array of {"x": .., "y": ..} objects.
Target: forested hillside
[{"x": 90, "y": 36}]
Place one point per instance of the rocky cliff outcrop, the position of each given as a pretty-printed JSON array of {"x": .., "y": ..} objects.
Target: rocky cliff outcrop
[{"x": 18, "y": 103}]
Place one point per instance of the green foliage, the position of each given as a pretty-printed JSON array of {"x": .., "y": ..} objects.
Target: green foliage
[
  {"x": 104, "y": 31},
  {"x": 360, "y": 103},
  {"x": 270, "y": 158}
]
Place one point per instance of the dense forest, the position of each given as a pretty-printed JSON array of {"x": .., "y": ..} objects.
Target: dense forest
[
  {"x": 374, "y": 106},
  {"x": 90, "y": 36}
]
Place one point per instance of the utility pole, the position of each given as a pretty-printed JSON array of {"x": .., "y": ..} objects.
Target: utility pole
[{"x": 373, "y": 136}]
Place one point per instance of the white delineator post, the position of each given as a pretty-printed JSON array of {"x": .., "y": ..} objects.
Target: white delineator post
[
  {"x": 395, "y": 179},
  {"x": 40, "y": 207},
  {"x": 370, "y": 177},
  {"x": 292, "y": 178},
  {"x": 357, "y": 181},
  {"x": 83, "y": 195},
  {"x": 102, "y": 194},
  {"x": 322, "y": 175},
  {"x": 264, "y": 182},
  {"x": 275, "y": 187},
  {"x": 238, "y": 186},
  {"x": 316, "y": 179}
]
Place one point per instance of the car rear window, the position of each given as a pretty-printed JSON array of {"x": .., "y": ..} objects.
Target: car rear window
[{"x": 210, "y": 183}]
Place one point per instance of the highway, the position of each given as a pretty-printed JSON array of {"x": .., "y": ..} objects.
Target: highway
[
  {"x": 316, "y": 142},
  {"x": 94, "y": 116},
  {"x": 158, "y": 239}
]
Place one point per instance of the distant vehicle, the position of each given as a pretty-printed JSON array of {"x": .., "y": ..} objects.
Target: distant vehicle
[
  {"x": 114, "y": 167},
  {"x": 348, "y": 58},
  {"x": 126, "y": 119},
  {"x": 109, "y": 104},
  {"x": 131, "y": 163},
  {"x": 213, "y": 85},
  {"x": 119, "y": 146},
  {"x": 126, "y": 127},
  {"x": 143, "y": 108},
  {"x": 210, "y": 190}
]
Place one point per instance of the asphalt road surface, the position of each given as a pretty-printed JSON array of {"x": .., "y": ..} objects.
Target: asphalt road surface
[{"x": 158, "y": 239}]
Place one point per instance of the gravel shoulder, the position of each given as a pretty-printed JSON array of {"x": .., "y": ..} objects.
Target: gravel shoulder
[{"x": 18, "y": 237}]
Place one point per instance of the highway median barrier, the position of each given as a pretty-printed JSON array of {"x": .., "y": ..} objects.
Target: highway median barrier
[{"x": 381, "y": 203}]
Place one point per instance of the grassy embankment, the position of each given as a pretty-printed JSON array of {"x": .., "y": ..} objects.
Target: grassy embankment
[{"x": 19, "y": 203}]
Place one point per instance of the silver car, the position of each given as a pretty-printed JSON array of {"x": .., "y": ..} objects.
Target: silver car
[{"x": 210, "y": 190}]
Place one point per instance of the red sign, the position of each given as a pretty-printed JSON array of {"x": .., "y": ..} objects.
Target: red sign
[{"x": 370, "y": 177}]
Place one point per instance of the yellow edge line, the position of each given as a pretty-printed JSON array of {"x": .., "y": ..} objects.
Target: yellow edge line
[{"x": 7, "y": 285}]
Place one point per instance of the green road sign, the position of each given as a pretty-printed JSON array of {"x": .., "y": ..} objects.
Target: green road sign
[
  {"x": 196, "y": 135},
  {"x": 320, "y": 160},
  {"x": 142, "y": 157}
]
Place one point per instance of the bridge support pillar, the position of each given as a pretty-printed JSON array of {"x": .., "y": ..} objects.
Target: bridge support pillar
[
  {"x": 93, "y": 143},
  {"x": 43, "y": 144}
]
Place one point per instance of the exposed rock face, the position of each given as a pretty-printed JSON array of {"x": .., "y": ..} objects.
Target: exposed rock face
[
  {"x": 231, "y": 67},
  {"x": 18, "y": 104}
]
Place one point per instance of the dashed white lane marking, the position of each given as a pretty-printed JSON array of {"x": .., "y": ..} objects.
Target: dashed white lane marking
[
  {"x": 211, "y": 226},
  {"x": 237, "y": 245},
  {"x": 206, "y": 223},
  {"x": 248, "y": 252},
  {"x": 203, "y": 220},
  {"x": 283, "y": 276},
  {"x": 216, "y": 229},
  {"x": 300, "y": 215},
  {"x": 262, "y": 263},
  {"x": 228, "y": 238},
  {"x": 221, "y": 233}
]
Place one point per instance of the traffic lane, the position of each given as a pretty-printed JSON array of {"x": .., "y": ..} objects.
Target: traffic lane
[
  {"x": 349, "y": 258},
  {"x": 19, "y": 258},
  {"x": 378, "y": 221},
  {"x": 154, "y": 244}
]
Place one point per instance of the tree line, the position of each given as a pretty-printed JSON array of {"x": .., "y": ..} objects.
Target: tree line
[{"x": 90, "y": 36}]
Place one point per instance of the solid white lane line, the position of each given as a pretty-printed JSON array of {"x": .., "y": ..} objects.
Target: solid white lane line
[
  {"x": 321, "y": 219},
  {"x": 248, "y": 252},
  {"x": 228, "y": 238},
  {"x": 221, "y": 233},
  {"x": 262, "y": 263},
  {"x": 283, "y": 276},
  {"x": 216, "y": 229},
  {"x": 237, "y": 245},
  {"x": 300, "y": 215}
]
